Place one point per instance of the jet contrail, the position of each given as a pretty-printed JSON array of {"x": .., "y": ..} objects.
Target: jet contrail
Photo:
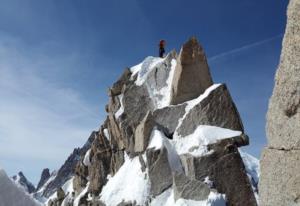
[{"x": 244, "y": 47}]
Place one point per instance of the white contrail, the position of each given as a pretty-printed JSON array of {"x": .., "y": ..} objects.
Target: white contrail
[{"x": 244, "y": 48}]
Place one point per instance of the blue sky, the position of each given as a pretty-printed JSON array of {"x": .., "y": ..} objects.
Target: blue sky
[{"x": 58, "y": 57}]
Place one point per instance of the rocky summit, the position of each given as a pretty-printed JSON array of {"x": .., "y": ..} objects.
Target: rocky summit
[
  {"x": 280, "y": 162},
  {"x": 171, "y": 137}
]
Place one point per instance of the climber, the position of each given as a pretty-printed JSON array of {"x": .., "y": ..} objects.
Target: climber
[{"x": 162, "y": 44}]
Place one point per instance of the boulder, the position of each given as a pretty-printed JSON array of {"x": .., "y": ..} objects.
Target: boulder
[
  {"x": 160, "y": 173},
  {"x": 189, "y": 189},
  {"x": 143, "y": 132},
  {"x": 192, "y": 76},
  {"x": 280, "y": 180},
  {"x": 217, "y": 109}
]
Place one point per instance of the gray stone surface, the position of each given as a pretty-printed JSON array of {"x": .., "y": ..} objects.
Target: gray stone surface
[
  {"x": 189, "y": 189},
  {"x": 217, "y": 109},
  {"x": 159, "y": 170},
  {"x": 117, "y": 87},
  {"x": 143, "y": 132},
  {"x": 168, "y": 117},
  {"x": 229, "y": 177},
  {"x": 280, "y": 161},
  {"x": 192, "y": 75},
  {"x": 283, "y": 118},
  {"x": 280, "y": 178}
]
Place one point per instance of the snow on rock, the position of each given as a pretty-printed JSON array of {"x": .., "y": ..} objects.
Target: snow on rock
[
  {"x": 192, "y": 103},
  {"x": 196, "y": 142},
  {"x": 106, "y": 134},
  {"x": 164, "y": 93},
  {"x": 12, "y": 195},
  {"x": 128, "y": 184},
  {"x": 253, "y": 171},
  {"x": 161, "y": 96},
  {"x": 83, "y": 192},
  {"x": 157, "y": 141},
  {"x": 86, "y": 160},
  {"x": 167, "y": 199},
  {"x": 251, "y": 164},
  {"x": 68, "y": 189},
  {"x": 121, "y": 109},
  {"x": 144, "y": 68}
]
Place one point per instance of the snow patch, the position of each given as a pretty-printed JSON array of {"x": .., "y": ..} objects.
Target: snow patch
[
  {"x": 253, "y": 171},
  {"x": 204, "y": 135},
  {"x": 128, "y": 184},
  {"x": 86, "y": 160},
  {"x": 106, "y": 134},
  {"x": 159, "y": 140},
  {"x": 68, "y": 189},
  {"x": 165, "y": 92},
  {"x": 167, "y": 199},
  {"x": 161, "y": 97},
  {"x": 83, "y": 192},
  {"x": 121, "y": 109},
  {"x": 144, "y": 68}
]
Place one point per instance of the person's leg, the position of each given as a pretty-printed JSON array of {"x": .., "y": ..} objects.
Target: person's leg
[{"x": 161, "y": 52}]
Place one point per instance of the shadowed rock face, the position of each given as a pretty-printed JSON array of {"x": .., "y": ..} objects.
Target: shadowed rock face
[
  {"x": 44, "y": 177},
  {"x": 192, "y": 74},
  {"x": 280, "y": 180}
]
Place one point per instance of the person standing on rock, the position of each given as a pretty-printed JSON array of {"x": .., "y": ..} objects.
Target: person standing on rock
[{"x": 162, "y": 44}]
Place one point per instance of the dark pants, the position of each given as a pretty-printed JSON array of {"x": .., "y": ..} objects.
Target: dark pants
[{"x": 161, "y": 52}]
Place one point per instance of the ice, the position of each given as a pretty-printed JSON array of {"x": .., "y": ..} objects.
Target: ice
[
  {"x": 86, "y": 160},
  {"x": 128, "y": 184}
]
